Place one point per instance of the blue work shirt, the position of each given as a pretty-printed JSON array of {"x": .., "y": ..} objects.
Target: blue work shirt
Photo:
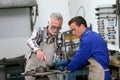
[{"x": 92, "y": 45}]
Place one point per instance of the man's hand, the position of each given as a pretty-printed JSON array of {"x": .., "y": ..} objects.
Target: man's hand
[
  {"x": 66, "y": 71},
  {"x": 41, "y": 56}
]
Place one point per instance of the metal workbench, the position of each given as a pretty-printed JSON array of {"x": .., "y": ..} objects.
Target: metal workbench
[{"x": 67, "y": 76}]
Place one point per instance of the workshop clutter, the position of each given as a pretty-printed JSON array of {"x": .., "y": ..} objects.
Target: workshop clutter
[
  {"x": 11, "y": 69},
  {"x": 60, "y": 65}
]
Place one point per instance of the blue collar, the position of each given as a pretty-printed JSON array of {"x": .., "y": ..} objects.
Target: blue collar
[{"x": 84, "y": 33}]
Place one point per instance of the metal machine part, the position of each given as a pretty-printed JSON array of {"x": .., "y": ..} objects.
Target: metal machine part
[{"x": 17, "y": 3}]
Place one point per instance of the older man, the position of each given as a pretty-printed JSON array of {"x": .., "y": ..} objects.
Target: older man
[{"x": 44, "y": 43}]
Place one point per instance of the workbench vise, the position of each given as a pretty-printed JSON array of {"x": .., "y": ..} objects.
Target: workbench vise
[{"x": 61, "y": 64}]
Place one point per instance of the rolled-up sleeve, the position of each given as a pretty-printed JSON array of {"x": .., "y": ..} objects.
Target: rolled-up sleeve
[{"x": 32, "y": 42}]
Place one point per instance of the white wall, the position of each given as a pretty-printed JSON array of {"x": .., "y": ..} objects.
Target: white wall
[
  {"x": 89, "y": 9},
  {"x": 46, "y": 7},
  {"x": 14, "y": 44},
  {"x": 69, "y": 8}
]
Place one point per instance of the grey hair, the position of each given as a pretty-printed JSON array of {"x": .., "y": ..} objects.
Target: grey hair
[{"x": 57, "y": 16}]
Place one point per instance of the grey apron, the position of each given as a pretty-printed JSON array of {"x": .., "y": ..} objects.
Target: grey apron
[
  {"x": 33, "y": 63},
  {"x": 96, "y": 71}
]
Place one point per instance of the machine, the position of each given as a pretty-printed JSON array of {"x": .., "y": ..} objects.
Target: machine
[
  {"x": 16, "y": 20},
  {"x": 108, "y": 21}
]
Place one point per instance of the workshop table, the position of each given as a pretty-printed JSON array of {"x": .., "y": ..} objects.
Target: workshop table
[
  {"x": 68, "y": 76},
  {"x": 72, "y": 76},
  {"x": 116, "y": 65}
]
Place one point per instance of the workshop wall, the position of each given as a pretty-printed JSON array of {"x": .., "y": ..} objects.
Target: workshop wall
[
  {"x": 46, "y": 7},
  {"x": 69, "y": 9},
  {"x": 86, "y": 9}
]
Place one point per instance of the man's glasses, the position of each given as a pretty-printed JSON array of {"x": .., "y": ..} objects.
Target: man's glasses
[{"x": 55, "y": 28}]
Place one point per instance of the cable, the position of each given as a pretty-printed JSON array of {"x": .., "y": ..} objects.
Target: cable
[
  {"x": 81, "y": 7},
  {"x": 69, "y": 8},
  {"x": 35, "y": 14}
]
